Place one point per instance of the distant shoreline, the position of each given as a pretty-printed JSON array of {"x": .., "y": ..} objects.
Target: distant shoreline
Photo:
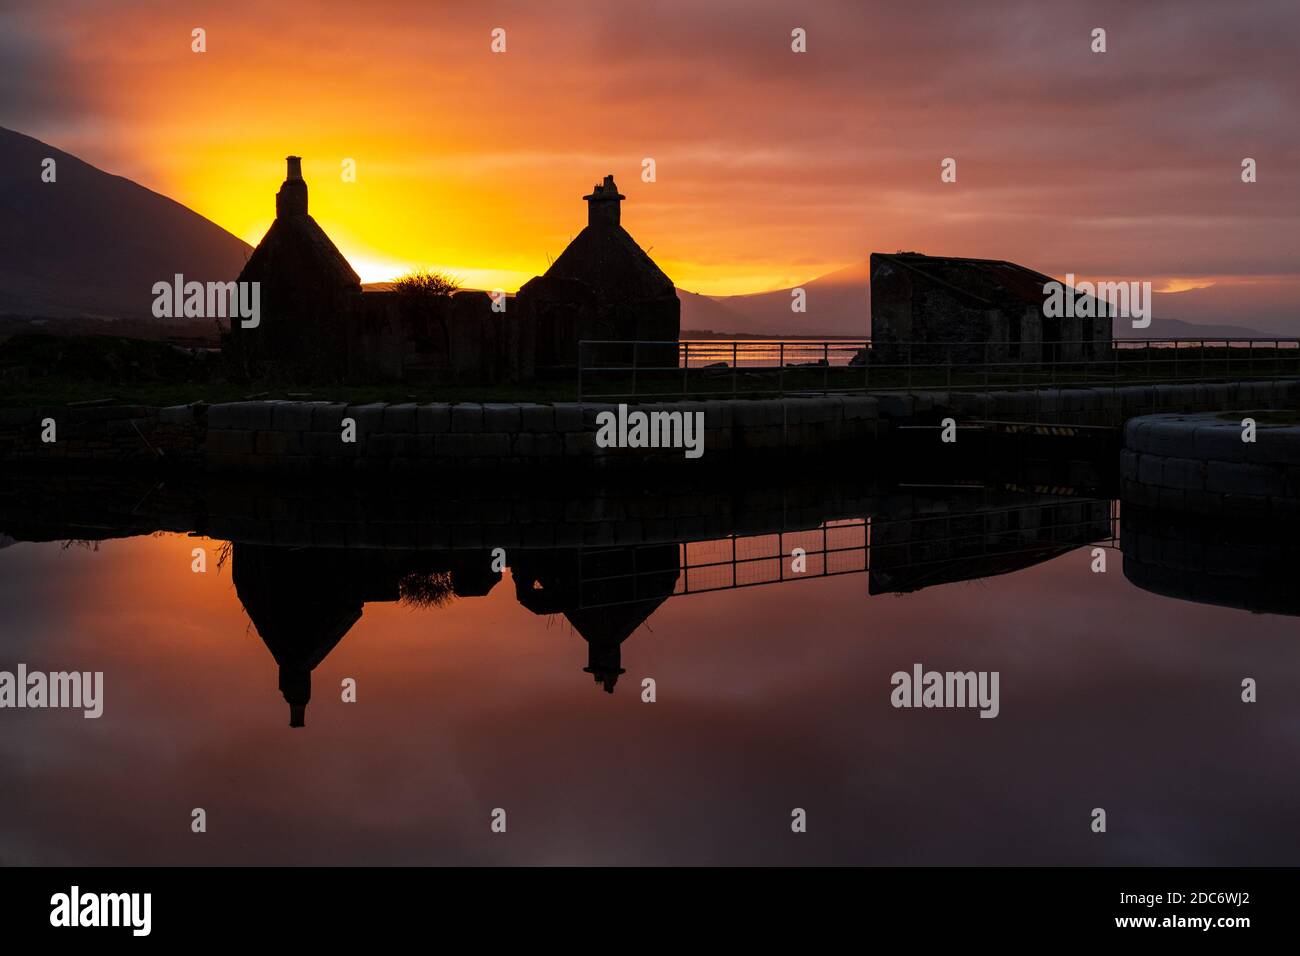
[{"x": 771, "y": 336}]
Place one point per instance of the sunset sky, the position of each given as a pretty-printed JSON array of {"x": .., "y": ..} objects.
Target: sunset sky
[{"x": 772, "y": 167}]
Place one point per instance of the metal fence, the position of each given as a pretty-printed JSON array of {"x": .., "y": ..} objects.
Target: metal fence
[
  {"x": 920, "y": 551},
  {"x": 713, "y": 368}
]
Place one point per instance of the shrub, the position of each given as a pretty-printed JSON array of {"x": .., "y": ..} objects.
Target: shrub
[{"x": 424, "y": 283}]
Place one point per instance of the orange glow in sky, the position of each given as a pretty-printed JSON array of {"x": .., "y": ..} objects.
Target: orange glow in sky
[{"x": 771, "y": 167}]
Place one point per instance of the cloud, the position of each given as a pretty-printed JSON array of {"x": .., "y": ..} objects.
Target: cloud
[{"x": 1126, "y": 161}]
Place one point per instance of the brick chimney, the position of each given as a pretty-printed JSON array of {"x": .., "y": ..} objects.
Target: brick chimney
[
  {"x": 603, "y": 203},
  {"x": 291, "y": 200}
]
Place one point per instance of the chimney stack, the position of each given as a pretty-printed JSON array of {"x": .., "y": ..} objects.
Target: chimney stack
[
  {"x": 291, "y": 200},
  {"x": 603, "y": 204}
]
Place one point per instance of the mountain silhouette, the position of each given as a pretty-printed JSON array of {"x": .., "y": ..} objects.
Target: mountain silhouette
[
  {"x": 91, "y": 244},
  {"x": 837, "y": 304}
]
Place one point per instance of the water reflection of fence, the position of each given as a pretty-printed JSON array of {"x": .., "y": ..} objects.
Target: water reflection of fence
[
  {"x": 752, "y": 368},
  {"x": 901, "y": 554}
]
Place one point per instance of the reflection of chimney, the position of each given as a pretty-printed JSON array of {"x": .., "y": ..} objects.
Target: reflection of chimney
[
  {"x": 295, "y": 684},
  {"x": 291, "y": 200},
  {"x": 603, "y": 664},
  {"x": 603, "y": 204}
]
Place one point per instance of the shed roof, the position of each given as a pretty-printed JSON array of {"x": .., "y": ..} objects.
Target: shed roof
[{"x": 989, "y": 282}]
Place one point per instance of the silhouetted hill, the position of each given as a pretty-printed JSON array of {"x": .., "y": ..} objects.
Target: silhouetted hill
[
  {"x": 92, "y": 244},
  {"x": 837, "y": 304}
]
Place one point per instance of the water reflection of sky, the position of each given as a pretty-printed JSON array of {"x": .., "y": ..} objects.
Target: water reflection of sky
[{"x": 769, "y": 698}]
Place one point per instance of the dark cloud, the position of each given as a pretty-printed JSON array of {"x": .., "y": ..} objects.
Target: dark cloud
[{"x": 34, "y": 89}]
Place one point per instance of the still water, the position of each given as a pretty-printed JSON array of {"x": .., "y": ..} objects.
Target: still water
[{"x": 524, "y": 691}]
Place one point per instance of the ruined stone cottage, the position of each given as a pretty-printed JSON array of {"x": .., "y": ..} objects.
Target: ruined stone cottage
[
  {"x": 307, "y": 290},
  {"x": 318, "y": 322},
  {"x": 603, "y": 287},
  {"x": 975, "y": 310}
]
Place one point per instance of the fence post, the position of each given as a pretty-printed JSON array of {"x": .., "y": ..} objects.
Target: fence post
[
  {"x": 634, "y": 365},
  {"x": 686, "y": 368},
  {"x": 826, "y": 370},
  {"x": 780, "y": 375},
  {"x": 735, "y": 367}
]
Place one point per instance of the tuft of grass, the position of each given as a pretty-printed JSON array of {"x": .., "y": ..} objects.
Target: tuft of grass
[
  {"x": 426, "y": 283},
  {"x": 424, "y": 589}
]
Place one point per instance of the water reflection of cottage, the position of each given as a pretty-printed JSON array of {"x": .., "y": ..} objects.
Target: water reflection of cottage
[
  {"x": 301, "y": 602},
  {"x": 605, "y": 593}
]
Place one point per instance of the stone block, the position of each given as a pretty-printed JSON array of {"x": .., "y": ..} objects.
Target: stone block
[
  {"x": 568, "y": 416},
  {"x": 328, "y": 417},
  {"x": 459, "y": 445},
  {"x": 278, "y": 443},
  {"x": 536, "y": 418},
  {"x": 434, "y": 419},
  {"x": 1185, "y": 473},
  {"x": 292, "y": 416},
  {"x": 1151, "y": 469},
  {"x": 466, "y": 417},
  {"x": 400, "y": 419},
  {"x": 253, "y": 416},
  {"x": 369, "y": 419},
  {"x": 502, "y": 418}
]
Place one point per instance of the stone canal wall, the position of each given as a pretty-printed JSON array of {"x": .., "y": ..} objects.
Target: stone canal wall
[
  {"x": 111, "y": 435},
  {"x": 1201, "y": 463},
  {"x": 260, "y": 436},
  {"x": 301, "y": 437},
  {"x": 1099, "y": 406}
]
